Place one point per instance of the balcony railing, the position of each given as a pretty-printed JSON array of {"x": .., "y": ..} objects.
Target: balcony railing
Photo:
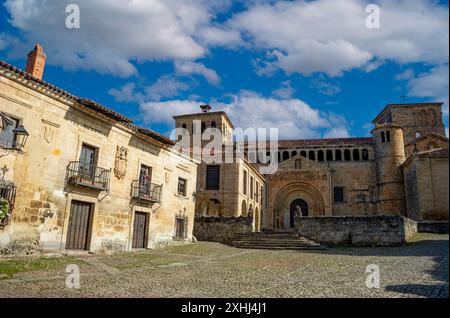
[
  {"x": 87, "y": 175},
  {"x": 7, "y": 192},
  {"x": 146, "y": 191}
]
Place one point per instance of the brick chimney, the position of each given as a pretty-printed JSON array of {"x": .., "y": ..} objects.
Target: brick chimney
[{"x": 36, "y": 61}]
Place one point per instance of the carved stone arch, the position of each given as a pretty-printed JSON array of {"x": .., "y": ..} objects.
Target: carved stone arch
[{"x": 300, "y": 190}]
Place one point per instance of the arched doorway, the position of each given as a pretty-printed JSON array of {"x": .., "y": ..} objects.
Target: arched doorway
[{"x": 298, "y": 203}]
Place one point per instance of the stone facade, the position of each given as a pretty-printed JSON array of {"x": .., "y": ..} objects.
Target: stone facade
[
  {"x": 50, "y": 183},
  {"x": 357, "y": 230}
]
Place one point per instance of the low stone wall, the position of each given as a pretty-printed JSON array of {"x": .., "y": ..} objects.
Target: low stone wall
[
  {"x": 221, "y": 229},
  {"x": 433, "y": 227},
  {"x": 357, "y": 230}
]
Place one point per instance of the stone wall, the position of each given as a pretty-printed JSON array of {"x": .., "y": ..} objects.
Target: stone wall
[
  {"x": 432, "y": 226},
  {"x": 357, "y": 230},
  {"x": 221, "y": 229}
]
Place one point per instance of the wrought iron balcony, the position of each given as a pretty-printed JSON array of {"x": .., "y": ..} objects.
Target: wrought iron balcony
[
  {"x": 87, "y": 175},
  {"x": 146, "y": 191},
  {"x": 8, "y": 193}
]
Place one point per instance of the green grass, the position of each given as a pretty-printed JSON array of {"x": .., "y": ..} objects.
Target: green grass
[{"x": 10, "y": 267}]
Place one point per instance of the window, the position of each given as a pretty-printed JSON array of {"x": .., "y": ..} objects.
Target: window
[
  {"x": 285, "y": 155},
  {"x": 338, "y": 155},
  {"x": 320, "y": 156},
  {"x": 203, "y": 127},
  {"x": 213, "y": 124},
  {"x": 388, "y": 136},
  {"x": 365, "y": 154},
  {"x": 251, "y": 188},
  {"x": 356, "y": 154},
  {"x": 383, "y": 139},
  {"x": 338, "y": 194},
  {"x": 257, "y": 193},
  {"x": 245, "y": 182},
  {"x": 145, "y": 175},
  {"x": 312, "y": 155},
  {"x": 213, "y": 177},
  {"x": 182, "y": 186},
  {"x": 183, "y": 126},
  {"x": 329, "y": 155},
  {"x": 347, "y": 156},
  {"x": 298, "y": 164},
  {"x": 294, "y": 153},
  {"x": 7, "y": 135}
]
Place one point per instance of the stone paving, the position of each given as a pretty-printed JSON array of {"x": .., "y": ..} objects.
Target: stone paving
[{"x": 418, "y": 269}]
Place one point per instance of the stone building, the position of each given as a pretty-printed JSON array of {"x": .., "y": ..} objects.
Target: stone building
[
  {"x": 87, "y": 177},
  {"x": 401, "y": 170}
]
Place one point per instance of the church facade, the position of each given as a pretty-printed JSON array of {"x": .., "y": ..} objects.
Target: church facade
[{"x": 402, "y": 169}]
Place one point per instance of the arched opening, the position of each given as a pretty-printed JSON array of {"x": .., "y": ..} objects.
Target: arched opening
[
  {"x": 183, "y": 126},
  {"x": 203, "y": 127},
  {"x": 338, "y": 155},
  {"x": 294, "y": 153},
  {"x": 356, "y": 154},
  {"x": 312, "y": 155},
  {"x": 365, "y": 154},
  {"x": 383, "y": 138},
  {"x": 298, "y": 207},
  {"x": 320, "y": 156},
  {"x": 388, "y": 136},
  {"x": 285, "y": 155},
  {"x": 213, "y": 124},
  {"x": 244, "y": 208},
  {"x": 347, "y": 156},
  {"x": 303, "y": 153},
  {"x": 329, "y": 155}
]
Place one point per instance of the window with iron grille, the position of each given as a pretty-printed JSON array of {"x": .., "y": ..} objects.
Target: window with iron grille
[
  {"x": 182, "y": 186},
  {"x": 338, "y": 194},
  {"x": 213, "y": 177}
]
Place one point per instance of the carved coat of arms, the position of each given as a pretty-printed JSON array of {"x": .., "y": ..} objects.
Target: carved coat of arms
[
  {"x": 49, "y": 134},
  {"x": 120, "y": 165}
]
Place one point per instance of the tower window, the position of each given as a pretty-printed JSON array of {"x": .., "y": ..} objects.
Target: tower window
[
  {"x": 212, "y": 177},
  {"x": 356, "y": 154},
  {"x": 329, "y": 155},
  {"x": 347, "y": 156},
  {"x": 388, "y": 136},
  {"x": 365, "y": 154},
  {"x": 383, "y": 138},
  {"x": 320, "y": 156},
  {"x": 338, "y": 155}
]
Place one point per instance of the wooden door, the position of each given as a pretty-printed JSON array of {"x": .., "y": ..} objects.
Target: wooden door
[
  {"x": 140, "y": 230},
  {"x": 79, "y": 225}
]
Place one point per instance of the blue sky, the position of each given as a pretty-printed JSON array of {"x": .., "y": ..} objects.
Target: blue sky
[{"x": 311, "y": 68}]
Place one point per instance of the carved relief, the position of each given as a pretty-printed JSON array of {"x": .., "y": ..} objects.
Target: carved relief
[
  {"x": 120, "y": 165},
  {"x": 49, "y": 134}
]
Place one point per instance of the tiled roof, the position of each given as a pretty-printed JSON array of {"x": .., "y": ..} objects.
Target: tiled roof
[{"x": 89, "y": 104}]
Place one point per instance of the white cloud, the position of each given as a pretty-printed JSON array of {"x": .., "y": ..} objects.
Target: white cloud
[
  {"x": 324, "y": 87},
  {"x": 115, "y": 33},
  {"x": 189, "y": 68},
  {"x": 293, "y": 117},
  {"x": 124, "y": 94},
  {"x": 285, "y": 91},
  {"x": 405, "y": 75},
  {"x": 331, "y": 37},
  {"x": 434, "y": 84}
]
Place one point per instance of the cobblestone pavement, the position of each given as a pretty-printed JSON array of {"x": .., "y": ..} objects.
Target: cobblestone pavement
[{"x": 418, "y": 269}]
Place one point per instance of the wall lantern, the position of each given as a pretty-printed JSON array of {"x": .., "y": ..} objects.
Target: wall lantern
[{"x": 21, "y": 137}]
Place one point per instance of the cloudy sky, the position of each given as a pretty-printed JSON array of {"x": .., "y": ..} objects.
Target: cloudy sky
[{"x": 311, "y": 68}]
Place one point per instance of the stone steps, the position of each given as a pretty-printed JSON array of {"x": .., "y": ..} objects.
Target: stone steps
[{"x": 275, "y": 241}]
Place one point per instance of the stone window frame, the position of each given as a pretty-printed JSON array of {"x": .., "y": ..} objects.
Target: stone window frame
[
  {"x": 343, "y": 194},
  {"x": 182, "y": 186}
]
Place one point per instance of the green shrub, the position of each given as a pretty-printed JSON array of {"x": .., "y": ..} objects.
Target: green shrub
[{"x": 4, "y": 209}]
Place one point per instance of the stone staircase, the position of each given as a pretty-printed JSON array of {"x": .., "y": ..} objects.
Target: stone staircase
[{"x": 275, "y": 241}]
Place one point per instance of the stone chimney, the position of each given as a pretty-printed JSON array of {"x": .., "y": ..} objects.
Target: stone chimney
[{"x": 36, "y": 61}]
